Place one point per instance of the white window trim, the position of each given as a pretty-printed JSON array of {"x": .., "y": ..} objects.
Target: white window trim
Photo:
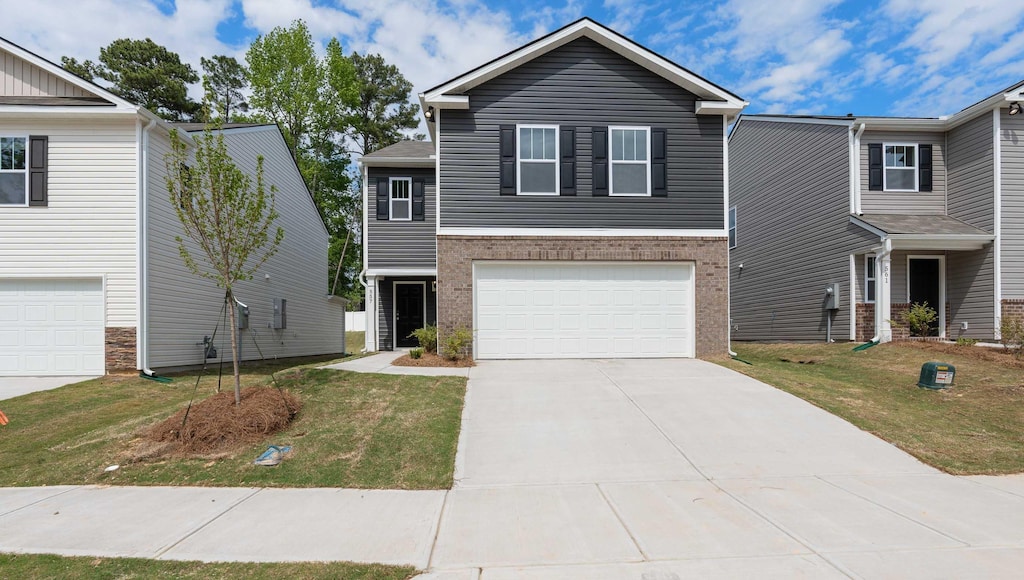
[
  {"x": 28, "y": 163},
  {"x": 555, "y": 161},
  {"x": 733, "y": 228},
  {"x": 915, "y": 169},
  {"x": 867, "y": 259},
  {"x": 612, "y": 162},
  {"x": 391, "y": 199}
]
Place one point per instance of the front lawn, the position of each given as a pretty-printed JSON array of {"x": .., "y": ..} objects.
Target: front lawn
[
  {"x": 355, "y": 430},
  {"x": 82, "y": 568},
  {"x": 973, "y": 428}
]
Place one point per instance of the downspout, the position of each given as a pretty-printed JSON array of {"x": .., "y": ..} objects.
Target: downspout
[
  {"x": 142, "y": 241},
  {"x": 856, "y": 168},
  {"x": 362, "y": 273},
  {"x": 883, "y": 293},
  {"x": 725, "y": 217}
]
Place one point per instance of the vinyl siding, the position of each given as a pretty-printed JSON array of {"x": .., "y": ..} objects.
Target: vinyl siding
[
  {"x": 402, "y": 244},
  {"x": 970, "y": 293},
  {"x": 183, "y": 307},
  {"x": 19, "y": 78},
  {"x": 1012, "y": 146},
  {"x": 88, "y": 228},
  {"x": 582, "y": 85},
  {"x": 386, "y": 305},
  {"x": 794, "y": 235},
  {"x": 918, "y": 202}
]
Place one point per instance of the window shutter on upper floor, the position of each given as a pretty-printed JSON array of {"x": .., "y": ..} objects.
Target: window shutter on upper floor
[
  {"x": 382, "y": 198},
  {"x": 567, "y": 154},
  {"x": 599, "y": 146},
  {"x": 659, "y": 163},
  {"x": 38, "y": 169},
  {"x": 507, "y": 146},
  {"x": 875, "y": 166},
  {"x": 418, "y": 199},
  {"x": 924, "y": 160}
]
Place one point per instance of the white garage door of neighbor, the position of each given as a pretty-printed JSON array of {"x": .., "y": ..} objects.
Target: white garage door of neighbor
[
  {"x": 51, "y": 327},
  {"x": 583, "y": 310}
]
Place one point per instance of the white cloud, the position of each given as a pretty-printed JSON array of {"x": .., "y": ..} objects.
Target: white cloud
[{"x": 628, "y": 13}]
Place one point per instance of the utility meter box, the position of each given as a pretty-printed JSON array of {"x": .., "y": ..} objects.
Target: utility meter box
[
  {"x": 280, "y": 314},
  {"x": 832, "y": 296},
  {"x": 242, "y": 316},
  {"x": 936, "y": 375}
]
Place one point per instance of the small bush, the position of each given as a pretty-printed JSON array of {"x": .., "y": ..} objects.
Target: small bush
[
  {"x": 964, "y": 341},
  {"x": 415, "y": 353},
  {"x": 456, "y": 342},
  {"x": 920, "y": 318},
  {"x": 1011, "y": 332},
  {"x": 427, "y": 337}
]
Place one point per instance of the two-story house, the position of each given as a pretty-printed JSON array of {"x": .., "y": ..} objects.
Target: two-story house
[
  {"x": 893, "y": 211},
  {"x": 571, "y": 203},
  {"x": 91, "y": 280}
]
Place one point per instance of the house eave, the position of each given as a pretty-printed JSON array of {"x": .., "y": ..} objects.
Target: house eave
[
  {"x": 428, "y": 162},
  {"x": 953, "y": 242},
  {"x": 395, "y": 272}
]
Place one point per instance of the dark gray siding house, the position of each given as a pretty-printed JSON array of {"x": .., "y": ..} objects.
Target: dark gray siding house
[{"x": 573, "y": 206}]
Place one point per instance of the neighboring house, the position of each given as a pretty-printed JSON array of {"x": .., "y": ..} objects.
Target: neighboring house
[
  {"x": 571, "y": 204},
  {"x": 91, "y": 280},
  {"x": 895, "y": 211}
]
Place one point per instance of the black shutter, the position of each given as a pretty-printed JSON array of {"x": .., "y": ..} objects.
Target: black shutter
[
  {"x": 383, "y": 195},
  {"x": 38, "y": 164},
  {"x": 659, "y": 165},
  {"x": 875, "y": 166},
  {"x": 599, "y": 145},
  {"x": 567, "y": 153},
  {"x": 924, "y": 156},
  {"x": 418, "y": 199},
  {"x": 508, "y": 159}
]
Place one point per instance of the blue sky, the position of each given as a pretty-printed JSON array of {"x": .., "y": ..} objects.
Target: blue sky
[{"x": 868, "y": 57}]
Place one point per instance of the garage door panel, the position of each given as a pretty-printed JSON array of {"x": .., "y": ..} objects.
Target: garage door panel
[{"x": 580, "y": 309}]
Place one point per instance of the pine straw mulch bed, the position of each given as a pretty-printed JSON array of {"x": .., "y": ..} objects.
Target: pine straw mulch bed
[
  {"x": 216, "y": 426},
  {"x": 432, "y": 359}
]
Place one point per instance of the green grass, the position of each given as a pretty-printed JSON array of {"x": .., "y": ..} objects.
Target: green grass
[
  {"x": 972, "y": 428},
  {"x": 29, "y": 566},
  {"x": 355, "y": 430}
]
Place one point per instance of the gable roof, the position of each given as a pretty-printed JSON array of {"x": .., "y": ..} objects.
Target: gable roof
[
  {"x": 713, "y": 99},
  {"x": 403, "y": 153}
]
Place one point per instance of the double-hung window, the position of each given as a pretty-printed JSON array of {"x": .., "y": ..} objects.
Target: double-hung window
[
  {"x": 900, "y": 167},
  {"x": 732, "y": 227},
  {"x": 537, "y": 160},
  {"x": 13, "y": 170},
  {"x": 869, "y": 278},
  {"x": 400, "y": 200},
  {"x": 630, "y": 160}
]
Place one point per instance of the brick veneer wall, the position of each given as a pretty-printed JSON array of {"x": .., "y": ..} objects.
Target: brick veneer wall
[
  {"x": 1012, "y": 308},
  {"x": 455, "y": 256},
  {"x": 120, "y": 349},
  {"x": 865, "y": 321}
]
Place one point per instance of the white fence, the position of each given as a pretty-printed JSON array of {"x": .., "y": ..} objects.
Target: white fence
[{"x": 355, "y": 321}]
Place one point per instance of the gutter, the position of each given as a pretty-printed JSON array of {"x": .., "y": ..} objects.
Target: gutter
[
  {"x": 142, "y": 249},
  {"x": 362, "y": 273}
]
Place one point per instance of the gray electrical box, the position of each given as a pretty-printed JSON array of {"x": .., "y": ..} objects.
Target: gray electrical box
[
  {"x": 832, "y": 296},
  {"x": 242, "y": 316},
  {"x": 280, "y": 314}
]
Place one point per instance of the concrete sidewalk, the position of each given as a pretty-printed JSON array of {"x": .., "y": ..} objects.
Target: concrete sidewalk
[{"x": 381, "y": 363}]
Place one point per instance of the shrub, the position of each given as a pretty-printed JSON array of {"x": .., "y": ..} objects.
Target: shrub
[
  {"x": 427, "y": 337},
  {"x": 415, "y": 353},
  {"x": 920, "y": 318},
  {"x": 1011, "y": 333},
  {"x": 964, "y": 341},
  {"x": 456, "y": 342}
]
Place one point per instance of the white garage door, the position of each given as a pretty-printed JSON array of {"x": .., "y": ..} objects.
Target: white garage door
[
  {"x": 51, "y": 327},
  {"x": 583, "y": 310}
]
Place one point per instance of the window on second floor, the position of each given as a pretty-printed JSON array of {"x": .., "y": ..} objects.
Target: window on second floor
[
  {"x": 13, "y": 171},
  {"x": 401, "y": 199},
  {"x": 900, "y": 167},
  {"x": 869, "y": 278},
  {"x": 732, "y": 227},
  {"x": 630, "y": 160},
  {"x": 537, "y": 160}
]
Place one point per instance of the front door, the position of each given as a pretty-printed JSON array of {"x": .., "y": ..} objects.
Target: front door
[
  {"x": 409, "y": 306},
  {"x": 925, "y": 287}
]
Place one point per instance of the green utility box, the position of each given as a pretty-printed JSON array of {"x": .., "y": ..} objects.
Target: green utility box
[{"x": 936, "y": 375}]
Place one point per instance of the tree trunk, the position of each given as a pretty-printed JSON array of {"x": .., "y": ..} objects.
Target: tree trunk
[{"x": 232, "y": 311}]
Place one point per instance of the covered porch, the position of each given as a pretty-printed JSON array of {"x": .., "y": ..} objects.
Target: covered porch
[{"x": 398, "y": 303}]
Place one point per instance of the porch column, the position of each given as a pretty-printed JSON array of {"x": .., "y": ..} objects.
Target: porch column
[
  {"x": 370, "y": 342},
  {"x": 883, "y": 292}
]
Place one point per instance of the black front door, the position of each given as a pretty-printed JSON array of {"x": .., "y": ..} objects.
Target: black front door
[
  {"x": 924, "y": 287},
  {"x": 408, "y": 313}
]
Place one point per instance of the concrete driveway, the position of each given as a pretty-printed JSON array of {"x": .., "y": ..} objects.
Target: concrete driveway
[
  {"x": 11, "y": 387},
  {"x": 680, "y": 468}
]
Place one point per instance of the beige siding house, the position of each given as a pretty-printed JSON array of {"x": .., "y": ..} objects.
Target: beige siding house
[{"x": 90, "y": 276}]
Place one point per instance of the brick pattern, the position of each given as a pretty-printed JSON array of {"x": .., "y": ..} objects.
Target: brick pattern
[
  {"x": 1012, "y": 308},
  {"x": 865, "y": 321},
  {"x": 455, "y": 256},
  {"x": 120, "y": 349},
  {"x": 902, "y": 331}
]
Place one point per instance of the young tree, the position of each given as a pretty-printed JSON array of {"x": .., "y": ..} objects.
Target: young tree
[
  {"x": 223, "y": 212},
  {"x": 144, "y": 73},
  {"x": 383, "y": 109},
  {"x": 223, "y": 82}
]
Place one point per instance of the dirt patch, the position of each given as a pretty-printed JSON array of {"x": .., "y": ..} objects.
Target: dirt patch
[
  {"x": 429, "y": 359},
  {"x": 983, "y": 353},
  {"x": 216, "y": 424}
]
